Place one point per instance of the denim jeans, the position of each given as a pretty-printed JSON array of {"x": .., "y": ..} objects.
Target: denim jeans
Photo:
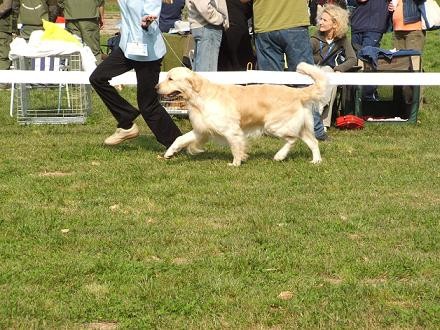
[
  {"x": 293, "y": 42},
  {"x": 318, "y": 125},
  {"x": 369, "y": 38},
  {"x": 359, "y": 41},
  {"x": 207, "y": 45}
]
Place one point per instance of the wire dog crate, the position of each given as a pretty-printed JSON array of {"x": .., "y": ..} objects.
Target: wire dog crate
[
  {"x": 51, "y": 103},
  {"x": 175, "y": 106}
]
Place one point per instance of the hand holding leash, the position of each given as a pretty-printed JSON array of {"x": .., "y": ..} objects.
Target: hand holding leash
[{"x": 147, "y": 20}]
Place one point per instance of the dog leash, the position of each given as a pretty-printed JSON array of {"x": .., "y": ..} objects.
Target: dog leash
[{"x": 169, "y": 45}]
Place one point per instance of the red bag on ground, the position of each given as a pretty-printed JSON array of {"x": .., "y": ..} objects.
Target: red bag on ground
[{"x": 349, "y": 122}]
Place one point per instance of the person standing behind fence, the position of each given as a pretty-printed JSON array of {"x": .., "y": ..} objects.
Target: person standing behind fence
[
  {"x": 141, "y": 48},
  {"x": 279, "y": 34},
  {"x": 207, "y": 20},
  {"x": 31, "y": 14},
  {"x": 369, "y": 21},
  {"x": 407, "y": 25},
  {"x": 7, "y": 27},
  {"x": 170, "y": 13},
  {"x": 236, "y": 49},
  {"x": 84, "y": 18}
]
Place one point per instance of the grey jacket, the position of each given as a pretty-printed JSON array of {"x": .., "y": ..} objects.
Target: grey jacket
[{"x": 204, "y": 12}]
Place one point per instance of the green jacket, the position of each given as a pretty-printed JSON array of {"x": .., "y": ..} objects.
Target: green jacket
[
  {"x": 32, "y": 12},
  {"x": 8, "y": 15},
  {"x": 80, "y": 9}
]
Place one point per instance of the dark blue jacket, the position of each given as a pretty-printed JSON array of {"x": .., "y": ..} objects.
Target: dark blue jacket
[
  {"x": 169, "y": 14},
  {"x": 411, "y": 12},
  {"x": 370, "y": 16}
]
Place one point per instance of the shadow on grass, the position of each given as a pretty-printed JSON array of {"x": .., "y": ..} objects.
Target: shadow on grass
[{"x": 213, "y": 152}]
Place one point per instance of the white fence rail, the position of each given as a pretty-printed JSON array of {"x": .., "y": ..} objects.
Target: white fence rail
[{"x": 247, "y": 77}]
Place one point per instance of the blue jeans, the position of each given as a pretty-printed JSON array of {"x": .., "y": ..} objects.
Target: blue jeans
[
  {"x": 360, "y": 40},
  {"x": 293, "y": 42},
  {"x": 207, "y": 45},
  {"x": 318, "y": 126}
]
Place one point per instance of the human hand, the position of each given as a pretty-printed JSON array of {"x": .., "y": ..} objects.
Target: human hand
[
  {"x": 391, "y": 6},
  {"x": 147, "y": 20}
]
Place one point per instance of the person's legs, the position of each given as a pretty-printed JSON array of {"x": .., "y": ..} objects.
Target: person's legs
[
  {"x": 270, "y": 55},
  {"x": 415, "y": 40},
  {"x": 88, "y": 31},
  {"x": 318, "y": 126},
  {"x": 328, "y": 108},
  {"x": 399, "y": 39},
  {"x": 207, "y": 45},
  {"x": 26, "y": 30},
  {"x": 296, "y": 43},
  {"x": 90, "y": 34},
  {"x": 271, "y": 47},
  {"x": 72, "y": 26},
  {"x": 5, "y": 41},
  {"x": 5, "y": 62},
  {"x": 371, "y": 39},
  {"x": 356, "y": 41},
  {"x": 364, "y": 39},
  {"x": 232, "y": 39},
  {"x": 154, "y": 114},
  {"x": 115, "y": 64}
]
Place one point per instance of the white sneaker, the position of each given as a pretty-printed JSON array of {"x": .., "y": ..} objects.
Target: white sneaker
[{"x": 121, "y": 135}]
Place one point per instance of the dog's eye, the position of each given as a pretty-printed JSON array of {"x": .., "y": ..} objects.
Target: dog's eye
[{"x": 169, "y": 78}]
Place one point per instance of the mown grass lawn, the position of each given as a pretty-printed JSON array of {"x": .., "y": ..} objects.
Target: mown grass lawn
[{"x": 98, "y": 237}]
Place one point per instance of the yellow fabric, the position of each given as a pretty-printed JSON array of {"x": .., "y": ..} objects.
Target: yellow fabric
[{"x": 55, "y": 32}]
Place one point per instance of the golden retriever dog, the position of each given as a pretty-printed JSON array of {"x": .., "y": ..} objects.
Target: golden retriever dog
[{"x": 232, "y": 112}]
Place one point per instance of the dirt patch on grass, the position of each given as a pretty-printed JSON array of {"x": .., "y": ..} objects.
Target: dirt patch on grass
[
  {"x": 54, "y": 174},
  {"x": 101, "y": 325}
]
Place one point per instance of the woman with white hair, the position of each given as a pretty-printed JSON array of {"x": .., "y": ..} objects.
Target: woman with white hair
[{"x": 331, "y": 47}]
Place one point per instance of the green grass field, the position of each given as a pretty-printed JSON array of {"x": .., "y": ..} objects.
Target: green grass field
[{"x": 93, "y": 237}]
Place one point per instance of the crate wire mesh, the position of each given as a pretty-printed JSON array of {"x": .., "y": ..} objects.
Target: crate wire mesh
[{"x": 51, "y": 103}]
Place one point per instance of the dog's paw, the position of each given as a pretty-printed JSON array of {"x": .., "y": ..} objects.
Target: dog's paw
[
  {"x": 168, "y": 155},
  {"x": 279, "y": 157},
  {"x": 316, "y": 161},
  {"x": 235, "y": 163},
  {"x": 194, "y": 150}
]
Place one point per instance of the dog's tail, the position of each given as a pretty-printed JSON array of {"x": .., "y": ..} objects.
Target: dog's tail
[{"x": 318, "y": 90}]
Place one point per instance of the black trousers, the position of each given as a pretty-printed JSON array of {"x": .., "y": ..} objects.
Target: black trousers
[{"x": 147, "y": 75}]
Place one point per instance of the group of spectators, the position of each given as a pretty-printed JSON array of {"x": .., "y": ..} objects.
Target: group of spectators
[
  {"x": 282, "y": 37},
  {"x": 222, "y": 42}
]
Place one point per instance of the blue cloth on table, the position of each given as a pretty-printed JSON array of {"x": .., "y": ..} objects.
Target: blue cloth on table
[{"x": 372, "y": 54}]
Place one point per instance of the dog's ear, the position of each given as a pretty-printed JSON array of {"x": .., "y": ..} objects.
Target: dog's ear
[{"x": 196, "y": 82}]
